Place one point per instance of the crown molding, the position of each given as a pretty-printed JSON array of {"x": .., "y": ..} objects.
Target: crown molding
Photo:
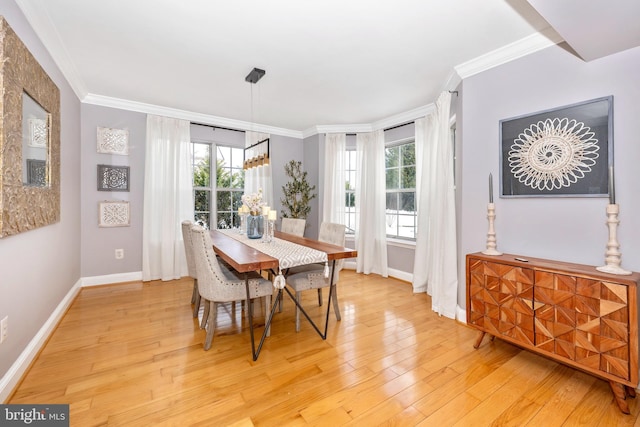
[
  {"x": 50, "y": 38},
  {"x": 141, "y": 107},
  {"x": 510, "y": 52},
  {"x": 405, "y": 117}
]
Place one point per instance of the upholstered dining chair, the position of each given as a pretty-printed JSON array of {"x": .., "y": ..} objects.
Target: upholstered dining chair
[
  {"x": 311, "y": 276},
  {"x": 293, "y": 226},
  {"x": 220, "y": 283},
  {"x": 191, "y": 265}
]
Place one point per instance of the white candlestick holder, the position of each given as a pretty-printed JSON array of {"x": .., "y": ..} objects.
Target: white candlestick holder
[
  {"x": 612, "y": 255},
  {"x": 491, "y": 234}
]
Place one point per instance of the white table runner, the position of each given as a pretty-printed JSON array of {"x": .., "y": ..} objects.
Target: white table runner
[{"x": 289, "y": 254}]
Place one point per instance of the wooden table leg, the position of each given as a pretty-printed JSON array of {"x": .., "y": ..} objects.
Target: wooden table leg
[
  {"x": 620, "y": 394},
  {"x": 479, "y": 339}
]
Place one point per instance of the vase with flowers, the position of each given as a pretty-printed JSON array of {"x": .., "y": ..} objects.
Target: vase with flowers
[{"x": 255, "y": 220}]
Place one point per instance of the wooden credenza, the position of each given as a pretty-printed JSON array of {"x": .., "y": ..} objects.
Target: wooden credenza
[{"x": 570, "y": 313}]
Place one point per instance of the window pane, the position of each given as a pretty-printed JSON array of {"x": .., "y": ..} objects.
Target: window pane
[
  {"x": 202, "y": 219},
  {"x": 407, "y": 202},
  {"x": 237, "y": 178},
  {"x": 202, "y": 200},
  {"x": 392, "y": 201},
  {"x": 350, "y": 200},
  {"x": 237, "y": 157},
  {"x": 201, "y": 163},
  {"x": 391, "y": 220},
  {"x": 224, "y": 201},
  {"x": 393, "y": 178},
  {"x": 224, "y": 220},
  {"x": 236, "y": 197},
  {"x": 408, "y": 154},
  {"x": 406, "y": 226},
  {"x": 391, "y": 155},
  {"x": 409, "y": 177},
  {"x": 224, "y": 156}
]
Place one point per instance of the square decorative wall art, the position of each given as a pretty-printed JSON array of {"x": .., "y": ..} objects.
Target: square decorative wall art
[
  {"x": 36, "y": 172},
  {"x": 113, "y": 141},
  {"x": 564, "y": 151},
  {"x": 113, "y": 214},
  {"x": 38, "y": 133},
  {"x": 113, "y": 178}
]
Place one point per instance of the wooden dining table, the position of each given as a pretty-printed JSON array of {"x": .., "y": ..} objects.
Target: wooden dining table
[{"x": 244, "y": 259}]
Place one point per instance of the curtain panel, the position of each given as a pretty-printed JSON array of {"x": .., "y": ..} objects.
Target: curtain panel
[
  {"x": 168, "y": 197},
  {"x": 435, "y": 264},
  {"x": 333, "y": 199},
  {"x": 371, "y": 234}
]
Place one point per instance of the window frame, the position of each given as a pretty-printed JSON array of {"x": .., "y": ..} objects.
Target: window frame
[{"x": 400, "y": 190}]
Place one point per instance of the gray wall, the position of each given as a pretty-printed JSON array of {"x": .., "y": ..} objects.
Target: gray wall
[
  {"x": 39, "y": 267},
  {"x": 566, "y": 229},
  {"x": 313, "y": 163},
  {"x": 99, "y": 244}
]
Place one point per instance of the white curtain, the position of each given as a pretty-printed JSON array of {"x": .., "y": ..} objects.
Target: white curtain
[
  {"x": 333, "y": 199},
  {"x": 259, "y": 176},
  {"x": 371, "y": 234},
  {"x": 435, "y": 264},
  {"x": 168, "y": 197}
]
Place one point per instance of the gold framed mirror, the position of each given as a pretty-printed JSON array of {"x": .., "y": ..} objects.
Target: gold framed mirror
[{"x": 29, "y": 139}]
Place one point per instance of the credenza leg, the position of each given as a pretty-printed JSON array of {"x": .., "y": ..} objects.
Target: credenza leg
[
  {"x": 631, "y": 392},
  {"x": 620, "y": 394},
  {"x": 479, "y": 339}
]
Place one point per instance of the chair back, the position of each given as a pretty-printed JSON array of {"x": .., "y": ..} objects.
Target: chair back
[
  {"x": 188, "y": 248},
  {"x": 293, "y": 226},
  {"x": 210, "y": 275},
  {"x": 334, "y": 234}
]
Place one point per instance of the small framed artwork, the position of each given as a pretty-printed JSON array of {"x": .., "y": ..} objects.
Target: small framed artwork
[
  {"x": 113, "y": 141},
  {"x": 114, "y": 214},
  {"x": 37, "y": 172},
  {"x": 564, "y": 151},
  {"x": 38, "y": 133},
  {"x": 113, "y": 178}
]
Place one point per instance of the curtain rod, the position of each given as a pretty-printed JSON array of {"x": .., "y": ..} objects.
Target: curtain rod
[
  {"x": 216, "y": 127},
  {"x": 391, "y": 128}
]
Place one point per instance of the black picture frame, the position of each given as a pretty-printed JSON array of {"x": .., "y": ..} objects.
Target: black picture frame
[
  {"x": 551, "y": 153},
  {"x": 113, "y": 178}
]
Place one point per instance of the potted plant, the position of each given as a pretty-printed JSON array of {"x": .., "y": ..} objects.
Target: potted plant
[{"x": 297, "y": 192}]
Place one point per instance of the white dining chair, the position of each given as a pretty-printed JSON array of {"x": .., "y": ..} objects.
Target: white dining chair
[
  {"x": 191, "y": 265},
  {"x": 220, "y": 283},
  {"x": 293, "y": 226},
  {"x": 307, "y": 277}
]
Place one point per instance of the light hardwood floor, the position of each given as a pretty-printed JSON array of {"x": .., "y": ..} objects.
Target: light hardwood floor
[{"x": 131, "y": 355}]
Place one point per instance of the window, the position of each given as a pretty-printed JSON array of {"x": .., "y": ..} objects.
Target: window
[
  {"x": 350, "y": 191},
  {"x": 400, "y": 173},
  {"x": 229, "y": 185}
]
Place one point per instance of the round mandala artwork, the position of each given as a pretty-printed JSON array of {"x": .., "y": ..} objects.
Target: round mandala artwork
[{"x": 553, "y": 153}]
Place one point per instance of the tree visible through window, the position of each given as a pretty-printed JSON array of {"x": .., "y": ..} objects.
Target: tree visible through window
[
  {"x": 350, "y": 191},
  {"x": 400, "y": 173},
  {"x": 229, "y": 185}
]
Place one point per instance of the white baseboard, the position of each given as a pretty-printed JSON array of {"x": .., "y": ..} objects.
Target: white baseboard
[
  {"x": 461, "y": 314},
  {"x": 11, "y": 378},
  {"x": 134, "y": 276},
  {"x": 396, "y": 274}
]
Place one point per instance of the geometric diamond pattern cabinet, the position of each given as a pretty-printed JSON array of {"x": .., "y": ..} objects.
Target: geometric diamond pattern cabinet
[{"x": 571, "y": 313}]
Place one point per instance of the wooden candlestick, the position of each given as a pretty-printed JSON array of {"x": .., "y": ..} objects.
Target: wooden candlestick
[
  {"x": 491, "y": 234},
  {"x": 612, "y": 255}
]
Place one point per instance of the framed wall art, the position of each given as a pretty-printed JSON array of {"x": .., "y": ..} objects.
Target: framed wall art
[
  {"x": 36, "y": 172},
  {"x": 565, "y": 151},
  {"x": 113, "y": 141},
  {"x": 113, "y": 178},
  {"x": 113, "y": 214}
]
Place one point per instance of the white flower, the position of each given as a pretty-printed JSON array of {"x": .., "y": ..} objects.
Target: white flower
[{"x": 254, "y": 202}]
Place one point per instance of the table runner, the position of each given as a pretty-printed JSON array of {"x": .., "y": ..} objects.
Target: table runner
[{"x": 289, "y": 254}]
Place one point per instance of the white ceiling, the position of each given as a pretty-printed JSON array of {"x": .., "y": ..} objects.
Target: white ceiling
[{"x": 327, "y": 62}]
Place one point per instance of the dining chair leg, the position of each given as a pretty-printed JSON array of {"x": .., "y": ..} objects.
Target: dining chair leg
[
  {"x": 195, "y": 298},
  {"x": 195, "y": 292},
  {"x": 267, "y": 309},
  {"x": 334, "y": 300},
  {"x": 205, "y": 314},
  {"x": 210, "y": 325},
  {"x": 320, "y": 297},
  {"x": 297, "y": 312}
]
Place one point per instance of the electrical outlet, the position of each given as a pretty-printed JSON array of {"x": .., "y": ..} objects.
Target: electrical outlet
[
  {"x": 4, "y": 328},
  {"x": 119, "y": 253}
]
